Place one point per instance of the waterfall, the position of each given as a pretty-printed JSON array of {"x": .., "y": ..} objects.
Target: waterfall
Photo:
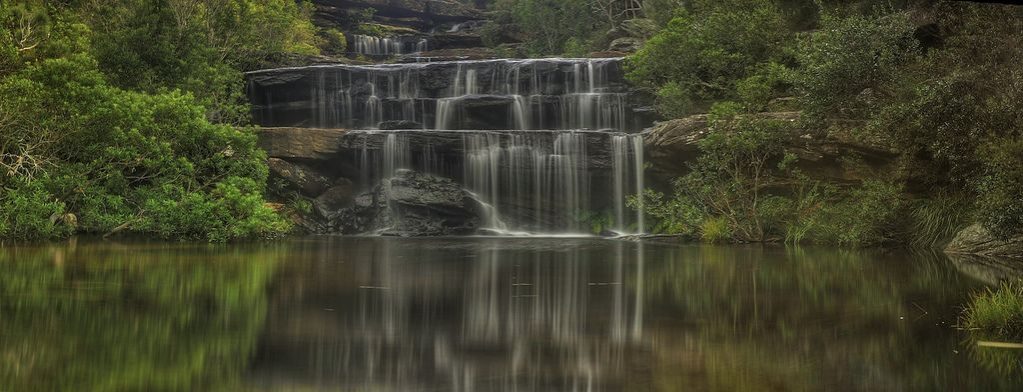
[
  {"x": 545, "y": 145},
  {"x": 376, "y": 46},
  {"x": 388, "y": 46},
  {"x": 640, "y": 167}
]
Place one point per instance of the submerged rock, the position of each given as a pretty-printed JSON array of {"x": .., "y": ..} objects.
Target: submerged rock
[
  {"x": 411, "y": 204},
  {"x": 977, "y": 240}
]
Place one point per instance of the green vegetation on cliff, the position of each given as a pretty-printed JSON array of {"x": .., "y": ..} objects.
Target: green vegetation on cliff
[
  {"x": 130, "y": 115},
  {"x": 932, "y": 82}
]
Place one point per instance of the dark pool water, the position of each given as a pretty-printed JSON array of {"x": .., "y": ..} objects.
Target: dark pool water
[{"x": 487, "y": 314}]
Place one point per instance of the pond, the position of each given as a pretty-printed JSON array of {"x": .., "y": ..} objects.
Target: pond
[{"x": 485, "y": 314}]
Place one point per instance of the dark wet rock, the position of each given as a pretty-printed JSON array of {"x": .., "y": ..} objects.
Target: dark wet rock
[
  {"x": 411, "y": 204},
  {"x": 299, "y": 177},
  {"x": 452, "y": 55},
  {"x": 977, "y": 240},
  {"x": 339, "y": 196},
  {"x": 399, "y": 124},
  {"x": 455, "y": 41},
  {"x": 301, "y": 143}
]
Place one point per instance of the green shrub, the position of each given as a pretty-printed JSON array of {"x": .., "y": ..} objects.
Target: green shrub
[
  {"x": 851, "y": 62},
  {"x": 715, "y": 230},
  {"x": 1001, "y": 190},
  {"x": 122, "y": 160},
  {"x": 933, "y": 222},
  {"x": 866, "y": 216},
  {"x": 29, "y": 212},
  {"x": 334, "y": 42},
  {"x": 548, "y": 26},
  {"x": 997, "y": 313},
  {"x": 708, "y": 50}
]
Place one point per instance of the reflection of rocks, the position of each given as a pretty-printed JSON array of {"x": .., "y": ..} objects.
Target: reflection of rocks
[
  {"x": 990, "y": 270},
  {"x": 979, "y": 241},
  {"x": 411, "y": 204}
]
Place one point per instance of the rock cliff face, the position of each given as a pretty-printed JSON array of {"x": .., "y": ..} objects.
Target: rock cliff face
[{"x": 672, "y": 145}]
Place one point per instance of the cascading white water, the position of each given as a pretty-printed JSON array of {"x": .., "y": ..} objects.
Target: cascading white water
[
  {"x": 376, "y": 46},
  {"x": 535, "y": 94},
  {"x": 558, "y": 152},
  {"x": 384, "y": 46}
]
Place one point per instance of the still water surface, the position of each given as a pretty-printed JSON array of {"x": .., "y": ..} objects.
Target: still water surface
[{"x": 485, "y": 314}]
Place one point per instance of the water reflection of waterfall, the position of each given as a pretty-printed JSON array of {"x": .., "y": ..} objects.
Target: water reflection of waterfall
[{"x": 484, "y": 316}]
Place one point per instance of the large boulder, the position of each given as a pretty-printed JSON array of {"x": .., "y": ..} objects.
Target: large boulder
[
  {"x": 301, "y": 143},
  {"x": 411, "y": 204},
  {"x": 339, "y": 196},
  {"x": 299, "y": 177},
  {"x": 977, "y": 240}
]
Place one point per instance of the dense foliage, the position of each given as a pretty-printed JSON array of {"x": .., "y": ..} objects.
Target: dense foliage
[
  {"x": 703, "y": 55},
  {"x": 934, "y": 82},
  {"x": 112, "y": 110}
]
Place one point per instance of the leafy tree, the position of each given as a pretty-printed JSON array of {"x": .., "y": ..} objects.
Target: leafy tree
[
  {"x": 853, "y": 63},
  {"x": 121, "y": 160},
  {"x": 705, "y": 51},
  {"x": 548, "y": 25}
]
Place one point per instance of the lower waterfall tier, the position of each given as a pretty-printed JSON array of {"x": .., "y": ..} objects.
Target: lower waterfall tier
[{"x": 544, "y": 182}]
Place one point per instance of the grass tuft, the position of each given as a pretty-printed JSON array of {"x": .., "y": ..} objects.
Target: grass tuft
[{"x": 997, "y": 312}]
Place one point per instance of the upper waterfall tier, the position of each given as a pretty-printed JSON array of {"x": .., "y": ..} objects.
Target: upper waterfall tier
[{"x": 489, "y": 95}]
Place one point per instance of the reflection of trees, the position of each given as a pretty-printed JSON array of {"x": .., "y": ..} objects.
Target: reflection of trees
[
  {"x": 101, "y": 317},
  {"x": 810, "y": 319}
]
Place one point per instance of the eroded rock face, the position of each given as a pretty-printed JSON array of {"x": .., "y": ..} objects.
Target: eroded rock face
[
  {"x": 976, "y": 240},
  {"x": 411, "y": 204},
  {"x": 301, "y": 143},
  {"x": 672, "y": 145}
]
